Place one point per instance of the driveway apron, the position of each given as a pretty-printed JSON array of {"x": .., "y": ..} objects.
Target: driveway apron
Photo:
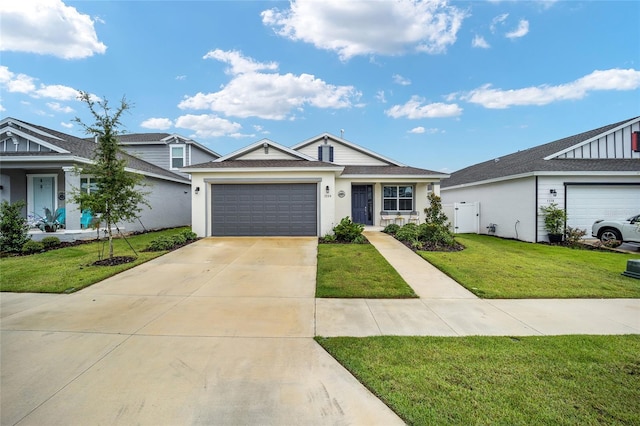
[{"x": 218, "y": 332}]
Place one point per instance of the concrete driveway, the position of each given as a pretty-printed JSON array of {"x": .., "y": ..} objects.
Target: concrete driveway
[{"x": 219, "y": 332}]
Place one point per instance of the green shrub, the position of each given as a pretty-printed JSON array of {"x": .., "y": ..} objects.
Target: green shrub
[
  {"x": 161, "y": 243},
  {"x": 32, "y": 247},
  {"x": 408, "y": 233},
  {"x": 391, "y": 228},
  {"x": 436, "y": 235},
  {"x": 347, "y": 231},
  {"x": 50, "y": 242},
  {"x": 359, "y": 239},
  {"x": 188, "y": 235},
  {"x": 329, "y": 238},
  {"x": 179, "y": 239},
  {"x": 14, "y": 231}
]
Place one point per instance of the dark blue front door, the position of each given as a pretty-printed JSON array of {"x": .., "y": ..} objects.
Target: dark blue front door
[{"x": 362, "y": 204}]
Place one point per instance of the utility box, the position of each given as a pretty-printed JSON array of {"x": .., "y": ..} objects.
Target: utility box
[{"x": 633, "y": 269}]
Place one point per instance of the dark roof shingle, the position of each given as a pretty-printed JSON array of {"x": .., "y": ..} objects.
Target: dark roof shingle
[{"x": 532, "y": 160}]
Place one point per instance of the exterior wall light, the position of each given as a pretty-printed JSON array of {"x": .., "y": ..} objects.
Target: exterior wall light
[
  {"x": 553, "y": 192},
  {"x": 326, "y": 189},
  {"x": 197, "y": 189}
]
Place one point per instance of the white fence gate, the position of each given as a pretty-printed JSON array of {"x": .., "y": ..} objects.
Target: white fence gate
[{"x": 464, "y": 217}]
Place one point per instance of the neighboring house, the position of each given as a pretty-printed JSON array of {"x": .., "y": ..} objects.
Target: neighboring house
[
  {"x": 169, "y": 151},
  {"x": 37, "y": 166},
  {"x": 268, "y": 189},
  {"x": 592, "y": 175}
]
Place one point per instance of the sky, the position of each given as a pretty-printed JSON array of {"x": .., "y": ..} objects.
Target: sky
[{"x": 439, "y": 85}]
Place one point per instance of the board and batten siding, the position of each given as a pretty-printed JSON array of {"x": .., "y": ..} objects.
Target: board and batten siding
[
  {"x": 343, "y": 154},
  {"x": 614, "y": 145}
]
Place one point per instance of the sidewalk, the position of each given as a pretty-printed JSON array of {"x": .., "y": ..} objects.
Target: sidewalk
[{"x": 445, "y": 308}]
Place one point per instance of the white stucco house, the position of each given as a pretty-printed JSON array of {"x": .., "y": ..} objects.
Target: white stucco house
[
  {"x": 592, "y": 175},
  {"x": 267, "y": 189}
]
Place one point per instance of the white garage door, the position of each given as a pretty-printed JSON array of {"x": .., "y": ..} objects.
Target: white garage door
[{"x": 588, "y": 203}]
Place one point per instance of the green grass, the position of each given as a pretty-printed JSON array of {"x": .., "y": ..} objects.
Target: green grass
[
  {"x": 561, "y": 380},
  {"x": 496, "y": 268},
  {"x": 357, "y": 271},
  {"x": 70, "y": 269}
]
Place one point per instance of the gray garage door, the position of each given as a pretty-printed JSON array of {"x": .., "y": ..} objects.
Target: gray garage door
[{"x": 264, "y": 209}]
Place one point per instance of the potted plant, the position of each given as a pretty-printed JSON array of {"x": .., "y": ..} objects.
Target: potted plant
[
  {"x": 50, "y": 222},
  {"x": 554, "y": 222}
]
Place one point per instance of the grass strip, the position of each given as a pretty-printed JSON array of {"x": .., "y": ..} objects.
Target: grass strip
[
  {"x": 357, "y": 271},
  {"x": 559, "y": 380},
  {"x": 496, "y": 268},
  {"x": 69, "y": 269}
]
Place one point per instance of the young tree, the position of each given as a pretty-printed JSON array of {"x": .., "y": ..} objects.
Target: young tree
[{"x": 118, "y": 196}]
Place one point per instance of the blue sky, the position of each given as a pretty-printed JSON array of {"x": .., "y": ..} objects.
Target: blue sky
[{"x": 433, "y": 84}]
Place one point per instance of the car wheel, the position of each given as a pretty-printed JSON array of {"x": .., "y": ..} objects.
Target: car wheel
[{"x": 608, "y": 235}]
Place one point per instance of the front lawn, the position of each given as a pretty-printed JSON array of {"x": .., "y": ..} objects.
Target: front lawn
[
  {"x": 560, "y": 380},
  {"x": 496, "y": 268},
  {"x": 69, "y": 269},
  {"x": 357, "y": 271}
]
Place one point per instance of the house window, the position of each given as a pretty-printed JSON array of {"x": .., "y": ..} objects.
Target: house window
[
  {"x": 397, "y": 198},
  {"x": 177, "y": 156},
  {"x": 88, "y": 184}
]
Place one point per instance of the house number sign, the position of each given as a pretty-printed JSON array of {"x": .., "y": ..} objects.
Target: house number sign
[{"x": 341, "y": 194}]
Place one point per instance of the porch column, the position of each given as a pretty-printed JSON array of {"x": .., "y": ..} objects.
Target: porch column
[{"x": 71, "y": 180}]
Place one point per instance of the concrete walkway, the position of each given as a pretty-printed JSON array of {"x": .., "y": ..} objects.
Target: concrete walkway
[
  {"x": 447, "y": 309},
  {"x": 218, "y": 332}
]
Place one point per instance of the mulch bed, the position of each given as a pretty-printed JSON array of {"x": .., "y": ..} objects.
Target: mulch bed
[{"x": 115, "y": 260}]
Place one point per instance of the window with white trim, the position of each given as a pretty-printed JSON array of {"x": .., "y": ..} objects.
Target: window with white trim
[
  {"x": 397, "y": 198},
  {"x": 177, "y": 159},
  {"x": 88, "y": 184}
]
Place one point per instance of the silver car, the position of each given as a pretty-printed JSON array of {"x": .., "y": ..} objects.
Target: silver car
[{"x": 623, "y": 230}]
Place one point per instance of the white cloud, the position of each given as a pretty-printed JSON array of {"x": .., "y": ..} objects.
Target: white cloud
[
  {"x": 521, "y": 31},
  {"x": 157, "y": 123},
  {"x": 380, "y": 96},
  {"x": 48, "y": 27},
  {"x": 613, "y": 79},
  {"x": 414, "y": 109},
  {"x": 239, "y": 64},
  {"x": 268, "y": 95},
  {"x": 353, "y": 28},
  {"x": 402, "y": 81},
  {"x": 417, "y": 130},
  {"x": 421, "y": 130},
  {"x": 181, "y": 77},
  {"x": 2, "y": 109},
  {"x": 498, "y": 20},
  {"x": 59, "y": 107},
  {"x": 479, "y": 41},
  {"x": 66, "y": 125},
  {"x": 56, "y": 91},
  {"x": 208, "y": 125},
  {"x": 25, "y": 84}
]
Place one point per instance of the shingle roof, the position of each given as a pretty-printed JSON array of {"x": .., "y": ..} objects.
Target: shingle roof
[
  {"x": 241, "y": 164},
  {"x": 389, "y": 170},
  {"x": 85, "y": 148},
  {"x": 142, "y": 137},
  {"x": 532, "y": 160}
]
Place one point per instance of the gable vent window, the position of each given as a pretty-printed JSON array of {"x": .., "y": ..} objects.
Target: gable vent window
[
  {"x": 325, "y": 153},
  {"x": 177, "y": 156}
]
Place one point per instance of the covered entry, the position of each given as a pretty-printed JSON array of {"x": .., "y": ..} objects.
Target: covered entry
[{"x": 269, "y": 209}]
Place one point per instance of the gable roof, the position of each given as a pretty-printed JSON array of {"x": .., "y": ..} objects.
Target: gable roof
[
  {"x": 71, "y": 149},
  {"x": 325, "y": 137},
  {"x": 264, "y": 144},
  {"x": 545, "y": 158}
]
